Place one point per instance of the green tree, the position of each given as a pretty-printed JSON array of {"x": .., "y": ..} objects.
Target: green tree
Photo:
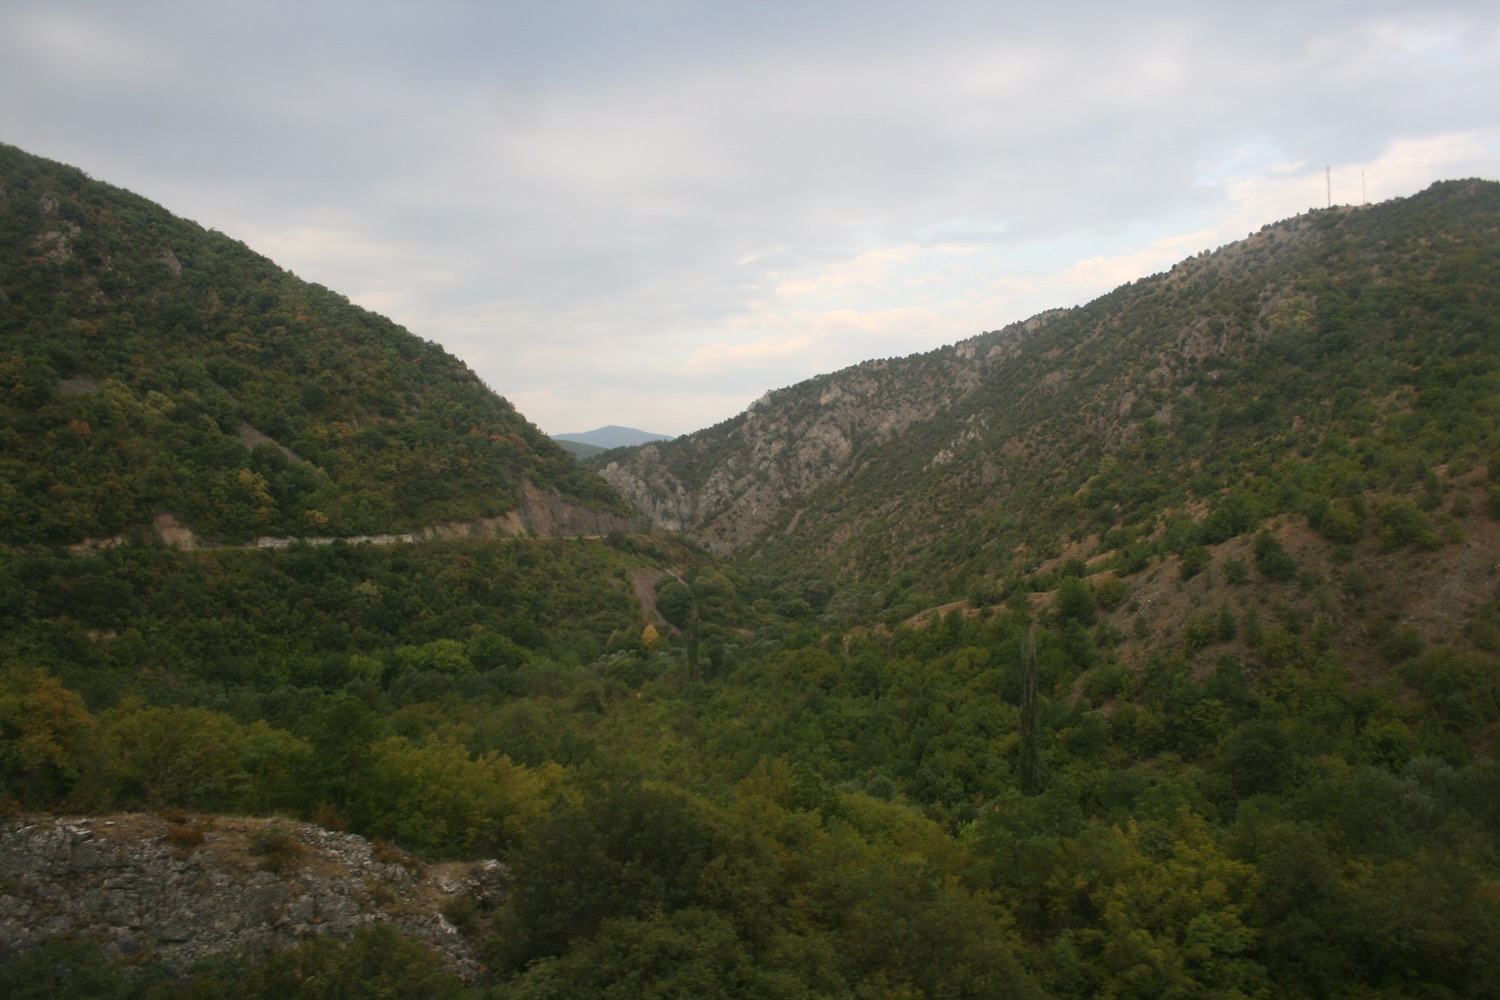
[
  {"x": 685, "y": 955},
  {"x": 46, "y": 738},
  {"x": 1075, "y": 602},
  {"x": 442, "y": 655},
  {"x": 1272, "y": 559},
  {"x": 625, "y": 851},
  {"x": 340, "y": 729},
  {"x": 1195, "y": 560},
  {"x": 1339, "y": 521},
  {"x": 376, "y": 964},
  {"x": 174, "y": 755},
  {"x": 1172, "y": 920},
  {"x": 1258, "y": 758},
  {"x": 1399, "y": 523},
  {"x": 674, "y": 599},
  {"x": 433, "y": 798}
]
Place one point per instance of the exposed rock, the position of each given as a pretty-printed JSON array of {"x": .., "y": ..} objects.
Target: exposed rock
[
  {"x": 252, "y": 438},
  {"x": 549, "y": 515},
  {"x": 178, "y": 892},
  {"x": 78, "y": 385},
  {"x": 725, "y": 487},
  {"x": 728, "y": 486},
  {"x": 1051, "y": 383},
  {"x": 56, "y": 245},
  {"x": 173, "y": 532},
  {"x": 542, "y": 514}
]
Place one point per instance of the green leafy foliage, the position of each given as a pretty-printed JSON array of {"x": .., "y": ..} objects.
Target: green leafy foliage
[
  {"x": 1272, "y": 559},
  {"x": 376, "y": 963},
  {"x": 625, "y": 852},
  {"x": 437, "y": 799},
  {"x": 1090, "y": 772},
  {"x": 46, "y": 738},
  {"x": 150, "y": 367}
]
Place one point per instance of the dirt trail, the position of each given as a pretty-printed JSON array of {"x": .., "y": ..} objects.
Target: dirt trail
[{"x": 643, "y": 585}]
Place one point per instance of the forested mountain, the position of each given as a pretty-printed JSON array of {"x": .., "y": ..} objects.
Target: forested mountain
[
  {"x": 1333, "y": 380},
  {"x": 153, "y": 368},
  {"x": 1341, "y": 355},
  {"x": 1210, "y": 709}
]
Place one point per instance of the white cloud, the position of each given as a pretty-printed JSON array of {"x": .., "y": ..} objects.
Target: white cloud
[
  {"x": 612, "y": 209},
  {"x": 1105, "y": 272},
  {"x": 722, "y": 357},
  {"x": 82, "y": 51},
  {"x": 871, "y": 270}
]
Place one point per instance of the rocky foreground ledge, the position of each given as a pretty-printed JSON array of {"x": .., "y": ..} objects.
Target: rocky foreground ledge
[{"x": 178, "y": 889}]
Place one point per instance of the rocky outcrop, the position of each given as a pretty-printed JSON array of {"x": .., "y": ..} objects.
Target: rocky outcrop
[
  {"x": 547, "y": 514},
  {"x": 727, "y": 486},
  {"x": 149, "y": 887}
]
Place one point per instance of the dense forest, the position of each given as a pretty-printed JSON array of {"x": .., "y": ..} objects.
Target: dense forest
[
  {"x": 151, "y": 366},
  {"x": 1223, "y": 726}
]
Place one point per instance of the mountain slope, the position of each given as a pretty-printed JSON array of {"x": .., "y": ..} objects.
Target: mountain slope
[
  {"x": 1204, "y": 747},
  {"x": 1321, "y": 365},
  {"x": 152, "y": 367}
]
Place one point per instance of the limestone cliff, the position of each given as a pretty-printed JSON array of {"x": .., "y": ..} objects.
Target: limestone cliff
[{"x": 727, "y": 486}]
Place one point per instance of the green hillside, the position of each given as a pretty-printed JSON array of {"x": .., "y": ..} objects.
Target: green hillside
[
  {"x": 151, "y": 367},
  {"x": 1347, "y": 357},
  {"x": 1357, "y": 342},
  {"x": 1143, "y": 650},
  {"x": 1335, "y": 373}
]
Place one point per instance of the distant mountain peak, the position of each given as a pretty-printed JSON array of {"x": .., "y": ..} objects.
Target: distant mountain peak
[{"x": 612, "y": 436}]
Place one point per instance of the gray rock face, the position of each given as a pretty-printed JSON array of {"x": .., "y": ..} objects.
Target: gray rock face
[
  {"x": 728, "y": 486},
  {"x": 179, "y": 892}
]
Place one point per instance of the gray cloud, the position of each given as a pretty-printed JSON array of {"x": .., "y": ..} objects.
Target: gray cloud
[{"x": 649, "y": 213}]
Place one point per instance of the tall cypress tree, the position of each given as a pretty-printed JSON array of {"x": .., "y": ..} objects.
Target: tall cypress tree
[{"x": 1033, "y": 775}]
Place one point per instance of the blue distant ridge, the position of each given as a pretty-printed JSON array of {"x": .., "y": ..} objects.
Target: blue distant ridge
[{"x": 612, "y": 436}]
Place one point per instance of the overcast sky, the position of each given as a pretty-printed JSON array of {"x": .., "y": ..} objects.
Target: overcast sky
[{"x": 649, "y": 213}]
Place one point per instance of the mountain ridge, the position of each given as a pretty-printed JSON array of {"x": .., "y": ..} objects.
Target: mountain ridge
[
  {"x": 155, "y": 367},
  {"x": 991, "y": 416},
  {"x": 588, "y": 444},
  {"x": 613, "y": 436}
]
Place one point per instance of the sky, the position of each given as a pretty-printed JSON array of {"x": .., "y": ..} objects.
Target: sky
[{"x": 650, "y": 213}]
